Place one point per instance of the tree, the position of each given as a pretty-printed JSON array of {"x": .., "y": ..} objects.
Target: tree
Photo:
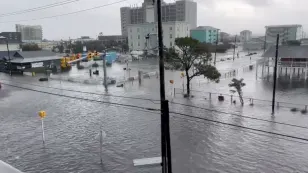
[
  {"x": 187, "y": 54},
  {"x": 30, "y": 47},
  {"x": 238, "y": 85}
]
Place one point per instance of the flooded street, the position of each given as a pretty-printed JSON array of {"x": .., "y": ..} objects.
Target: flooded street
[{"x": 72, "y": 125}]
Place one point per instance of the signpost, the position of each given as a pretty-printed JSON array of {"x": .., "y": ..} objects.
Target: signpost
[{"x": 42, "y": 115}]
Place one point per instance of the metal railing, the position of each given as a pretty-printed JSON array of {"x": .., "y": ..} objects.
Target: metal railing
[{"x": 251, "y": 100}]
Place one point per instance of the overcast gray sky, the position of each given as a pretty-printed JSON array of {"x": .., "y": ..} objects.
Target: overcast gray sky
[{"x": 230, "y": 16}]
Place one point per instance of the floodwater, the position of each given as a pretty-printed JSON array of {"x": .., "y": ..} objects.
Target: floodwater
[{"x": 72, "y": 125}]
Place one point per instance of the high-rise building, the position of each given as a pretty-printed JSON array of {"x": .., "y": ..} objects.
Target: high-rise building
[
  {"x": 245, "y": 36},
  {"x": 30, "y": 33},
  {"x": 144, "y": 36},
  {"x": 180, "y": 11},
  {"x": 205, "y": 34},
  {"x": 286, "y": 32}
]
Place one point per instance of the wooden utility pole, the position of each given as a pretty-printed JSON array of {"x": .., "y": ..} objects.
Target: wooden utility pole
[
  {"x": 234, "y": 47},
  {"x": 165, "y": 130},
  {"x": 275, "y": 75}
]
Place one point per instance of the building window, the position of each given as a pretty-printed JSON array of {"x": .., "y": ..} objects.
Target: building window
[
  {"x": 131, "y": 45},
  {"x": 152, "y": 29},
  {"x": 187, "y": 28},
  {"x": 138, "y": 29},
  {"x": 170, "y": 35},
  {"x": 131, "y": 36},
  {"x": 171, "y": 44},
  {"x": 170, "y": 28},
  {"x": 138, "y": 37},
  {"x": 138, "y": 43}
]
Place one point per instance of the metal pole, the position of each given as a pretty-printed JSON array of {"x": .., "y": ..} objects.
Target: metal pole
[
  {"x": 162, "y": 86},
  {"x": 216, "y": 46},
  {"x": 8, "y": 54},
  {"x": 43, "y": 133},
  {"x": 101, "y": 145},
  {"x": 105, "y": 72},
  {"x": 167, "y": 127},
  {"x": 234, "y": 47},
  {"x": 275, "y": 75}
]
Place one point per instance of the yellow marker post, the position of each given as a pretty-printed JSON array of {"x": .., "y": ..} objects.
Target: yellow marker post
[{"x": 42, "y": 115}]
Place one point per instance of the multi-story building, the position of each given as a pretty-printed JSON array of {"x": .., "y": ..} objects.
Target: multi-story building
[
  {"x": 245, "y": 36},
  {"x": 144, "y": 36},
  {"x": 224, "y": 36},
  {"x": 182, "y": 10},
  {"x": 30, "y": 33},
  {"x": 12, "y": 38},
  {"x": 115, "y": 38},
  {"x": 286, "y": 32},
  {"x": 205, "y": 34}
]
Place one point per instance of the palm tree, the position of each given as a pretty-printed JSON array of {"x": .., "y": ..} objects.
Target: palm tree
[{"x": 237, "y": 85}]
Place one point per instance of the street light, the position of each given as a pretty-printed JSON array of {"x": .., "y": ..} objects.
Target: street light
[{"x": 8, "y": 53}]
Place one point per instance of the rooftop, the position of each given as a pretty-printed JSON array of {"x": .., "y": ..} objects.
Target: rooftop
[
  {"x": 287, "y": 52},
  {"x": 205, "y": 28},
  {"x": 283, "y": 26}
]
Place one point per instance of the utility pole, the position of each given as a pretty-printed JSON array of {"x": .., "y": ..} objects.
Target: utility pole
[
  {"x": 264, "y": 43},
  {"x": 234, "y": 47},
  {"x": 165, "y": 131},
  {"x": 216, "y": 46},
  {"x": 105, "y": 70},
  {"x": 8, "y": 54},
  {"x": 275, "y": 75}
]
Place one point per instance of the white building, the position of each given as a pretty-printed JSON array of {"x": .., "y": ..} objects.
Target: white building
[
  {"x": 30, "y": 33},
  {"x": 245, "y": 36},
  {"x": 182, "y": 10},
  {"x": 144, "y": 36},
  {"x": 286, "y": 32}
]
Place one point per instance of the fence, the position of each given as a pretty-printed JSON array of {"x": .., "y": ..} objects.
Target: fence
[{"x": 250, "y": 100}]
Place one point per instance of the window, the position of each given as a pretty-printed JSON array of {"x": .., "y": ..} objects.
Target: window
[
  {"x": 171, "y": 44},
  {"x": 138, "y": 43},
  {"x": 170, "y": 35},
  {"x": 170, "y": 28},
  {"x": 138, "y": 29},
  {"x": 152, "y": 29},
  {"x": 131, "y": 36},
  {"x": 138, "y": 37},
  {"x": 131, "y": 45}
]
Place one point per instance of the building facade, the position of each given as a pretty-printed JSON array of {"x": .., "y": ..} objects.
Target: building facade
[
  {"x": 116, "y": 38},
  {"x": 245, "y": 36},
  {"x": 182, "y": 10},
  {"x": 13, "y": 39},
  {"x": 205, "y": 34},
  {"x": 286, "y": 32},
  {"x": 30, "y": 33},
  {"x": 144, "y": 36}
]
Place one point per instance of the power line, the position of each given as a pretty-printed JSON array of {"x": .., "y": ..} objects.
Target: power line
[
  {"x": 238, "y": 126},
  {"x": 85, "y": 99},
  {"x": 84, "y": 92},
  {"x": 153, "y": 109},
  {"x": 117, "y": 2},
  {"x": 260, "y": 134},
  {"x": 38, "y": 8},
  {"x": 153, "y": 101},
  {"x": 259, "y": 119}
]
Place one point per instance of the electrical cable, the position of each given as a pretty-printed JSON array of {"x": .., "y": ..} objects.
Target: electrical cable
[
  {"x": 153, "y": 101},
  {"x": 75, "y": 12},
  {"x": 260, "y": 134},
  {"x": 153, "y": 109},
  {"x": 38, "y": 8},
  {"x": 259, "y": 119},
  {"x": 238, "y": 126},
  {"x": 84, "y": 92}
]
